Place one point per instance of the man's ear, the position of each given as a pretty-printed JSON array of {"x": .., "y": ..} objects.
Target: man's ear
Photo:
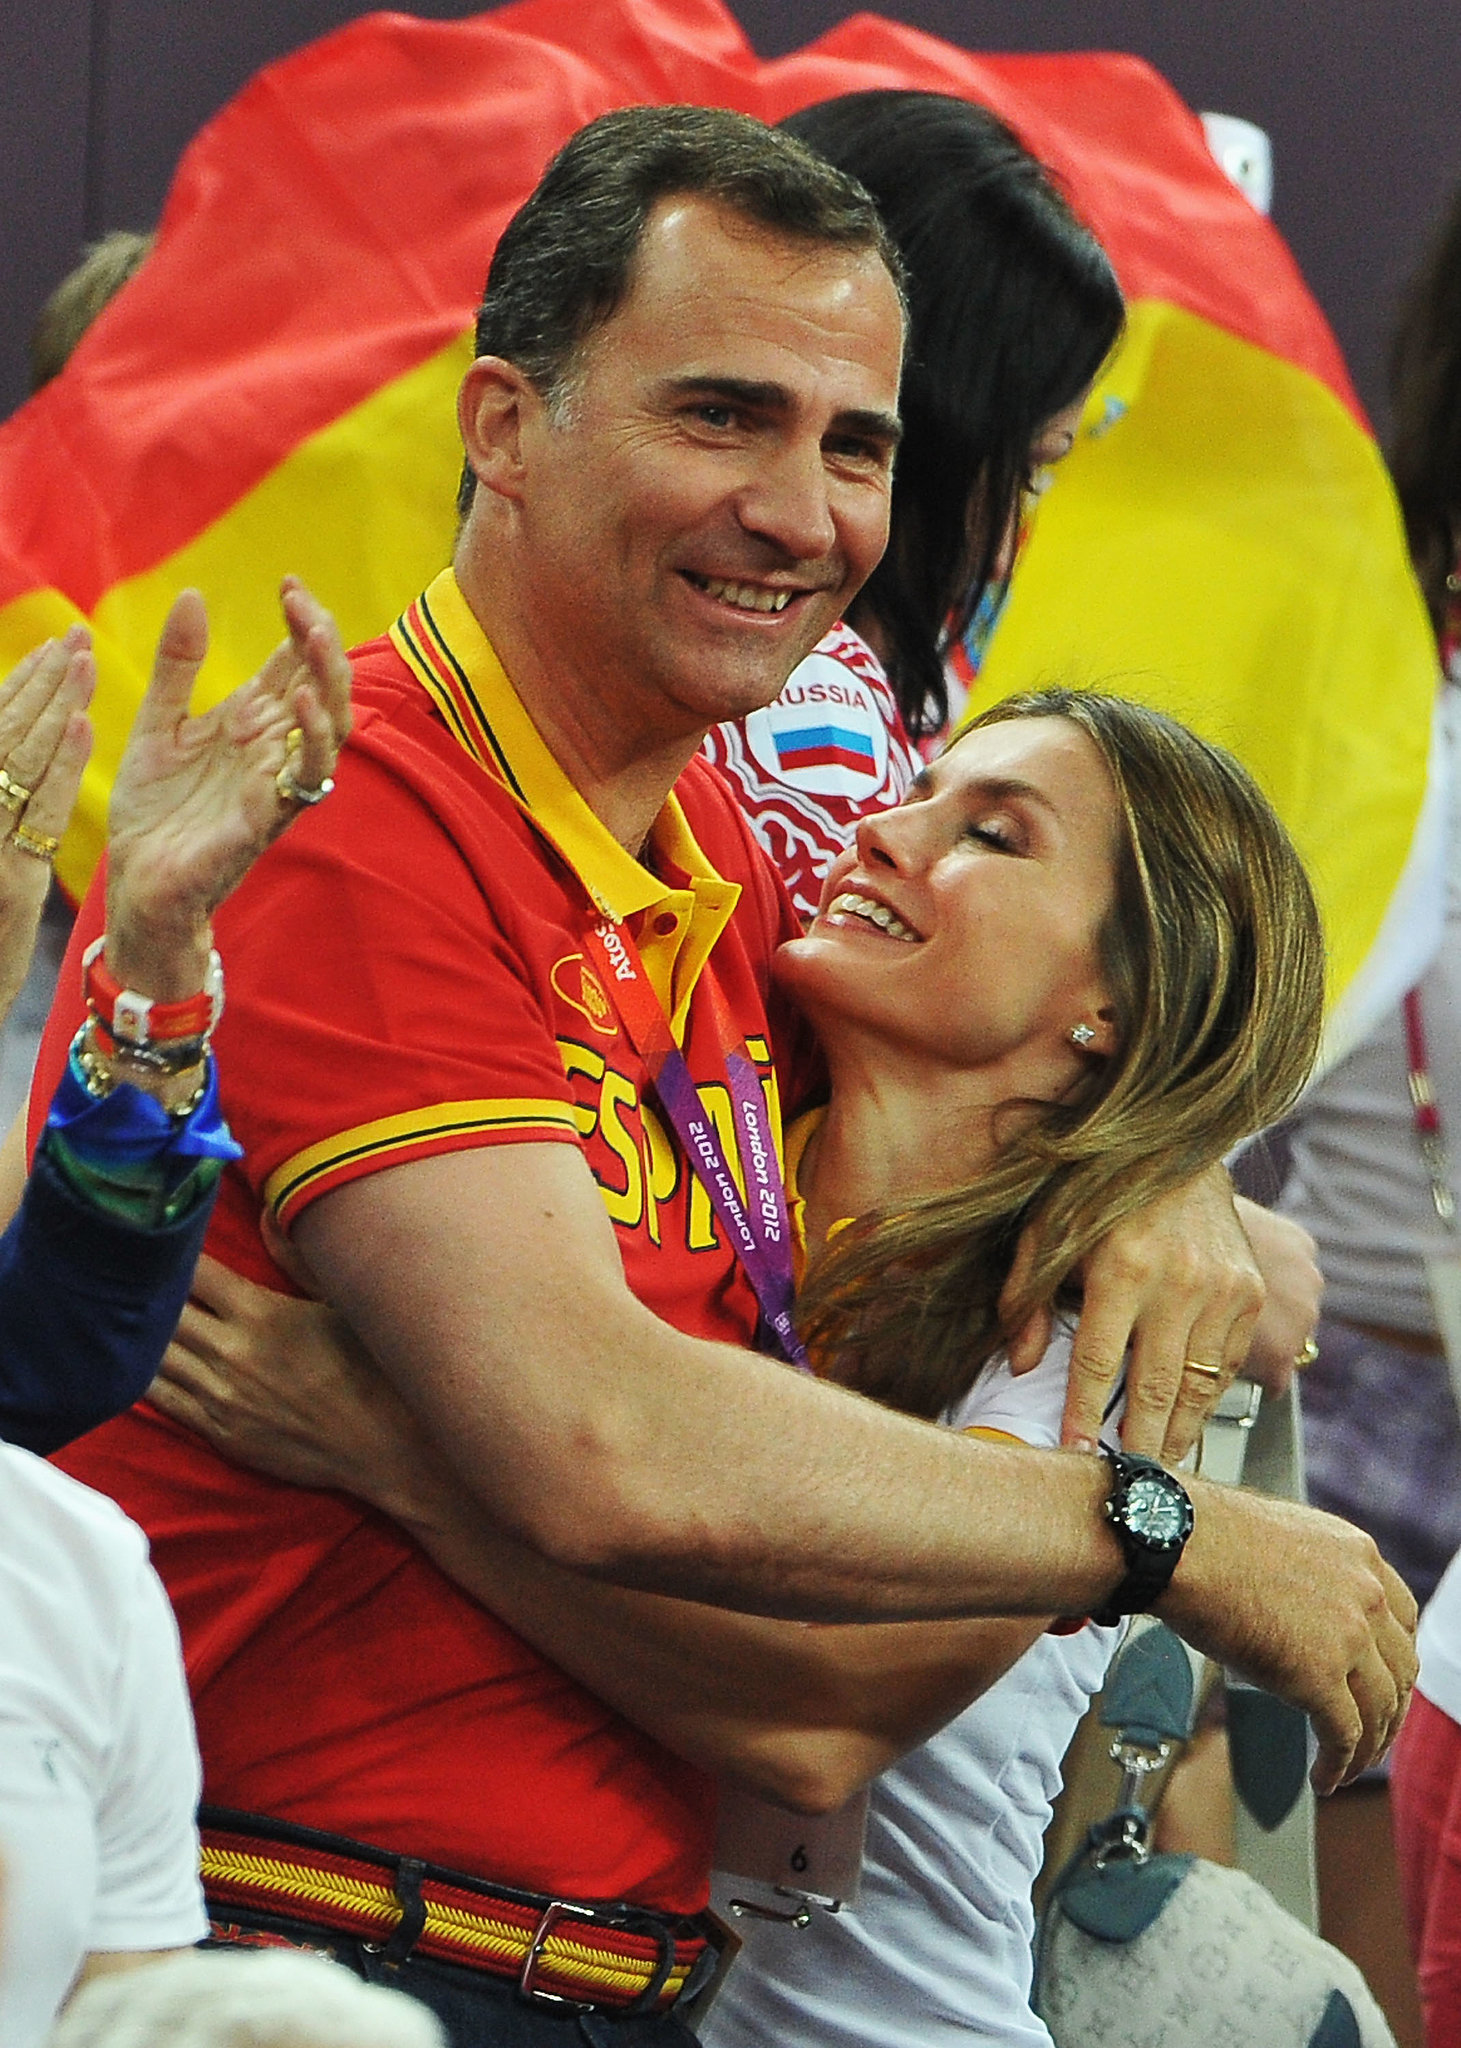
[{"x": 493, "y": 406}]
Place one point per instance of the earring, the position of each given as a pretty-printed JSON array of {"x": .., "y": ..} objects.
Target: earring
[{"x": 1081, "y": 1034}]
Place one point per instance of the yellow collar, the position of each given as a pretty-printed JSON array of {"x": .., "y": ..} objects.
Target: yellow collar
[{"x": 443, "y": 644}]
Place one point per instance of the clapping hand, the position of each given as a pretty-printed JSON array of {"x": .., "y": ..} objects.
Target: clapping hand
[
  {"x": 197, "y": 800},
  {"x": 45, "y": 738}
]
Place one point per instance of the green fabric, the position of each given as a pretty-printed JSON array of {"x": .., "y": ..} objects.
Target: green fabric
[{"x": 150, "y": 1194}]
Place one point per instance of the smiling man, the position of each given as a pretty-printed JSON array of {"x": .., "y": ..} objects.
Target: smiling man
[
  {"x": 692, "y": 498},
  {"x": 459, "y": 1002}
]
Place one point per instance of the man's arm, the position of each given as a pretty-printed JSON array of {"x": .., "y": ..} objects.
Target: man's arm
[
  {"x": 804, "y": 1714},
  {"x": 488, "y": 1285}
]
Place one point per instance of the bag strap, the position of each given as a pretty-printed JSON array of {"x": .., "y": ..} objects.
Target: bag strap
[{"x": 1113, "y": 1887}]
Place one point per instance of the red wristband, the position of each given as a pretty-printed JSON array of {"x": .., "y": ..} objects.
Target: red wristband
[{"x": 132, "y": 1019}]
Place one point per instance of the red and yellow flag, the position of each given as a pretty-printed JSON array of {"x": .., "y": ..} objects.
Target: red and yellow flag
[{"x": 274, "y": 391}]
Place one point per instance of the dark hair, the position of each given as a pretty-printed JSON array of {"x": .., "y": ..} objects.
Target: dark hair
[
  {"x": 564, "y": 261},
  {"x": 1213, "y": 957},
  {"x": 1425, "y": 390},
  {"x": 1013, "y": 307},
  {"x": 104, "y": 268}
]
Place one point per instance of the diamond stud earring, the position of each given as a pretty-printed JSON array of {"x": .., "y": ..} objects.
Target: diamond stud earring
[{"x": 1081, "y": 1034}]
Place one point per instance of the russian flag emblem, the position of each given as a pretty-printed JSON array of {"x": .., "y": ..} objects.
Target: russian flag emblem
[{"x": 826, "y": 746}]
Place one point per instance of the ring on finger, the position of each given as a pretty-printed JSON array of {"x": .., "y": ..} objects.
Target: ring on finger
[
  {"x": 287, "y": 786},
  {"x": 1207, "y": 1372},
  {"x": 13, "y": 795},
  {"x": 39, "y": 845}
]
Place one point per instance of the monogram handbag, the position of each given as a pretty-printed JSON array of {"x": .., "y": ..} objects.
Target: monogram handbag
[{"x": 1138, "y": 1949}]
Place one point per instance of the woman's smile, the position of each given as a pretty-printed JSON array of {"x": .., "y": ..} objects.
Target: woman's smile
[
  {"x": 964, "y": 925},
  {"x": 852, "y": 909}
]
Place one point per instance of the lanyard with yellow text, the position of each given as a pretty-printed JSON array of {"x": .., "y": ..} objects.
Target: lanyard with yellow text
[{"x": 757, "y": 1226}]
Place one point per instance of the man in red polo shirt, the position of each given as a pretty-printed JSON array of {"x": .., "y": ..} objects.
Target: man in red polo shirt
[{"x": 451, "y": 1072}]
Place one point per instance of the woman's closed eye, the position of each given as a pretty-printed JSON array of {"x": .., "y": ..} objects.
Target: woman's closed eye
[{"x": 995, "y": 832}]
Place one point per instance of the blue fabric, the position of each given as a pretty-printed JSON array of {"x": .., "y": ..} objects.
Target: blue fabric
[
  {"x": 128, "y": 1127},
  {"x": 88, "y": 1302}
]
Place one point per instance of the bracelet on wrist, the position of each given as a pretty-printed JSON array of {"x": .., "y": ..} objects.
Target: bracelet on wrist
[
  {"x": 169, "y": 1056},
  {"x": 136, "y": 1021},
  {"x": 100, "y": 1069}
]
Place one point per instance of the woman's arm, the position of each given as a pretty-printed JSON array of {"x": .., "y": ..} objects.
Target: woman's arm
[
  {"x": 805, "y": 1714},
  {"x": 90, "y": 1301}
]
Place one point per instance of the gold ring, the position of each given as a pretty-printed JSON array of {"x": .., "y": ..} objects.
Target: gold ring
[
  {"x": 1208, "y": 1372},
  {"x": 289, "y": 791},
  {"x": 39, "y": 845},
  {"x": 13, "y": 795},
  {"x": 287, "y": 787},
  {"x": 1307, "y": 1356}
]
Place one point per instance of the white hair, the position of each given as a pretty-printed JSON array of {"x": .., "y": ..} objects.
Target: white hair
[{"x": 256, "y": 1999}]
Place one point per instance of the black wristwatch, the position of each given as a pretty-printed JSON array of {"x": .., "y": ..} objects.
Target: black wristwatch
[{"x": 1152, "y": 1515}]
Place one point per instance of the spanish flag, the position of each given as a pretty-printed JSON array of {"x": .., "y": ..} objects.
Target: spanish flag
[{"x": 274, "y": 391}]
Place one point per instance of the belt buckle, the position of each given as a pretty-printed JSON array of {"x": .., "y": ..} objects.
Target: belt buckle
[
  {"x": 558, "y": 1910},
  {"x": 553, "y": 1912}
]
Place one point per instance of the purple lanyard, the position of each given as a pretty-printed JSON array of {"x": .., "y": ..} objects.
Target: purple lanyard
[{"x": 758, "y": 1227}]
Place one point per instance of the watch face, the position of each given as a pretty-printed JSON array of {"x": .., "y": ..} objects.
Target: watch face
[{"x": 1157, "y": 1512}]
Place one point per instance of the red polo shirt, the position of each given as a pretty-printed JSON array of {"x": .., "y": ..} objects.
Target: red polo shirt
[{"x": 406, "y": 976}]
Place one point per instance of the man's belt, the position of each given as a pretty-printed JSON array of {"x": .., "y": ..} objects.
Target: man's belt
[{"x": 612, "y": 1956}]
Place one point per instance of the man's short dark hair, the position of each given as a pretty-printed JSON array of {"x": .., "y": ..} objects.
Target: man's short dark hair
[{"x": 563, "y": 265}]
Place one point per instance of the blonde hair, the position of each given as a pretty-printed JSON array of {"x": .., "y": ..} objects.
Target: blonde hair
[
  {"x": 104, "y": 268},
  {"x": 1213, "y": 959}
]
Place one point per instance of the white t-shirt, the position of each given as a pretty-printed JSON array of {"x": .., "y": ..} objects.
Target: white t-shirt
[
  {"x": 937, "y": 1950},
  {"x": 99, "y": 1775},
  {"x": 1358, "y": 1181}
]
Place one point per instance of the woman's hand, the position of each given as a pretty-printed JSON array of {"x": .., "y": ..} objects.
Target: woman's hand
[
  {"x": 197, "y": 800},
  {"x": 1288, "y": 1259},
  {"x": 1178, "y": 1283},
  {"x": 45, "y": 738},
  {"x": 282, "y": 1385}
]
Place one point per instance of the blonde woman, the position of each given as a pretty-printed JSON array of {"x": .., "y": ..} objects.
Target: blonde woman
[{"x": 1071, "y": 969}]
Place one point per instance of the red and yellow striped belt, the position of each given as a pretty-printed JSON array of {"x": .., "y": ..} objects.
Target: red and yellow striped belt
[{"x": 614, "y": 1956}]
